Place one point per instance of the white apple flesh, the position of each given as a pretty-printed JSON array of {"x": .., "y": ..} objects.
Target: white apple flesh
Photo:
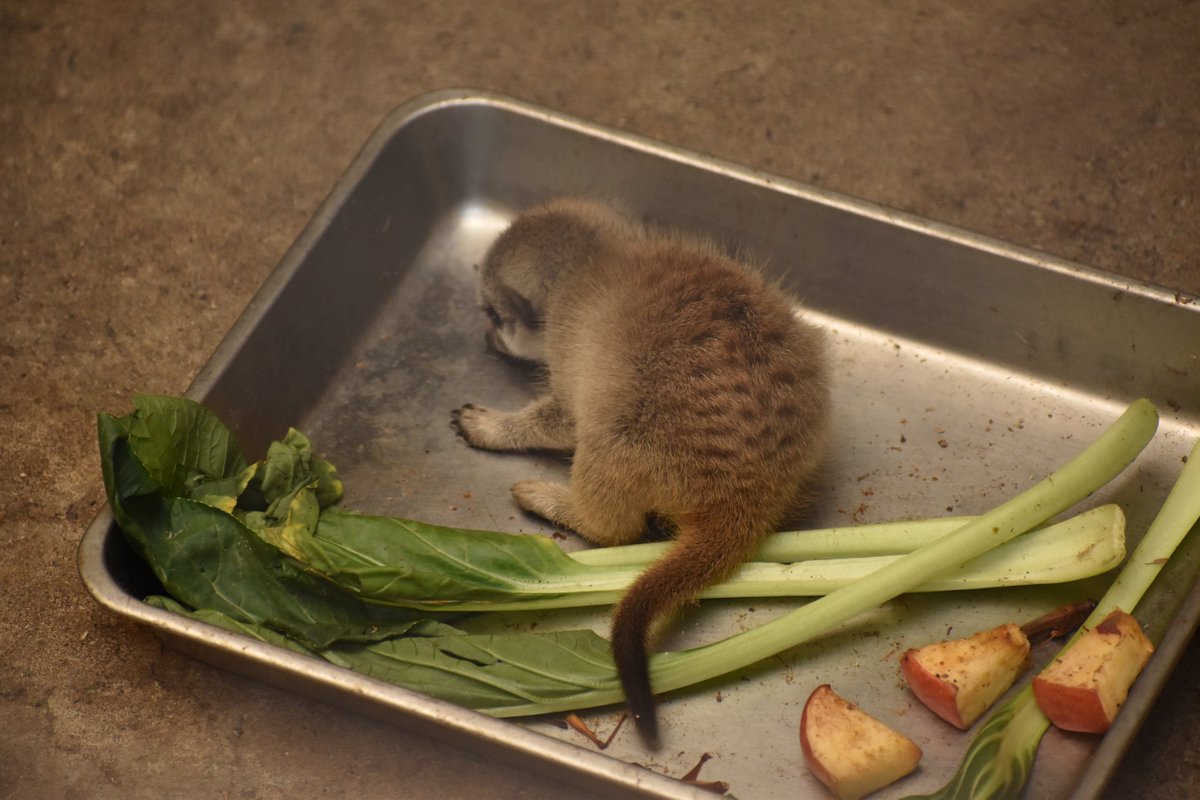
[
  {"x": 850, "y": 751},
  {"x": 1083, "y": 689},
  {"x": 960, "y": 679}
]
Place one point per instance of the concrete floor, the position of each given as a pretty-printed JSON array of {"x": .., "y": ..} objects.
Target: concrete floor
[{"x": 159, "y": 157}]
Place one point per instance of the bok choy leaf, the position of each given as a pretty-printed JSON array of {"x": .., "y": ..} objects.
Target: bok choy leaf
[
  {"x": 172, "y": 473},
  {"x": 407, "y": 563}
]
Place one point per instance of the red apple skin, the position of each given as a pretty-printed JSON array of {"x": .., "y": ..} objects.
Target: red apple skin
[
  {"x": 1071, "y": 708},
  {"x": 960, "y": 679},
  {"x": 937, "y": 694},
  {"x": 1084, "y": 688},
  {"x": 848, "y": 750},
  {"x": 811, "y": 758}
]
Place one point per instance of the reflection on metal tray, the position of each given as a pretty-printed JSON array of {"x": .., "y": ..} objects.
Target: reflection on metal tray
[{"x": 964, "y": 370}]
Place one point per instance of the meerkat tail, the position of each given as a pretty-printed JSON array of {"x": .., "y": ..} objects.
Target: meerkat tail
[{"x": 698, "y": 560}]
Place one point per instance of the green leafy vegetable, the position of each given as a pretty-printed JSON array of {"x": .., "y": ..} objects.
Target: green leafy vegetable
[
  {"x": 407, "y": 563},
  {"x": 168, "y": 468},
  {"x": 255, "y": 548},
  {"x": 498, "y": 674},
  {"x": 998, "y": 761}
]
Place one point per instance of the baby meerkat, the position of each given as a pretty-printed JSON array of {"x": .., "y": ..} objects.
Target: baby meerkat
[{"x": 683, "y": 382}]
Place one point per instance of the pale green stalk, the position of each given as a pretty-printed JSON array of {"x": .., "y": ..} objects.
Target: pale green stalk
[
  {"x": 1098, "y": 464},
  {"x": 997, "y": 763},
  {"x": 1077, "y": 548},
  {"x": 876, "y": 539},
  {"x": 1178, "y": 514}
]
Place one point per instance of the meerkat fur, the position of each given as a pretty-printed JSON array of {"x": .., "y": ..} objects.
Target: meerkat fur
[{"x": 684, "y": 384}]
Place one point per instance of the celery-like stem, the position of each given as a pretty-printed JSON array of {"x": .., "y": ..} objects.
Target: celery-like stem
[
  {"x": 877, "y": 539},
  {"x": 1095, "y": 466},
  {"x": 997, "y": 763},
  {"x": 1087, "y": 472},
  {"x": 1076, "y": 548},
  {"x": 1175, "y": 518}
]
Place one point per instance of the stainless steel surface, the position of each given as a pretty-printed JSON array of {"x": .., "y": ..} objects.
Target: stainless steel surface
[{"x": 964, "y": 370}]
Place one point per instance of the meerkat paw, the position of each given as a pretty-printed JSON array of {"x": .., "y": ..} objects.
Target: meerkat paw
[
  {"x": 479, "y": 426},
  {"x": 548, "y": 500}
]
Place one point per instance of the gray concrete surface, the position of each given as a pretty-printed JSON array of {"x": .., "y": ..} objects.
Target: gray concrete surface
[{"x": 159, "y": 157}]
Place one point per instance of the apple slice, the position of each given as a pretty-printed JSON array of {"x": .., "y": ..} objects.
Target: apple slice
[
  {"x": 959, "y": 679},
  {"x": 1083, "y": 689},
  {"x": 850, "y": 751}
]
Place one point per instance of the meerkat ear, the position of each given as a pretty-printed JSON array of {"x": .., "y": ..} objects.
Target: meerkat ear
[{"x": 522, "y": 308}]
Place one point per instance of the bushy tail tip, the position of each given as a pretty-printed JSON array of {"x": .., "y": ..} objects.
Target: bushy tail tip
[{"x": 629, "y": 653}]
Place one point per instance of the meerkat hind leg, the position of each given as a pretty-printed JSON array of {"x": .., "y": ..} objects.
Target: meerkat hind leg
[{"x": 559, "y": 504}]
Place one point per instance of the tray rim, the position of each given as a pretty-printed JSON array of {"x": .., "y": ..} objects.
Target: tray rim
[
  {"x": 451, "y": 98},
  {"x": 567, "y": 760}
]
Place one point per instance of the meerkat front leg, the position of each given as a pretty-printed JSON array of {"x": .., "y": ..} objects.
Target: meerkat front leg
[{"x": 542, "y": 425}]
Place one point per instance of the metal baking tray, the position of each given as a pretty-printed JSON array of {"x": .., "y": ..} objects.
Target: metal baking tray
[{"x": 964, "y": 370}]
